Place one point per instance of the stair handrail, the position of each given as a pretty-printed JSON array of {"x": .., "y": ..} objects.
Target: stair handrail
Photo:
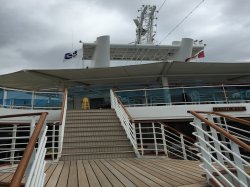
[
  {"x": 235, "y": 119},
  {"x": 22, "y": 166},
  {"x": 62, "y": 122},
  {"x": 220, "y": 151},
  {"x": 221, "y": 130},
  {"x": 124, "y": 108},
  {"x": 125, "y": 119},
  {"x": 65, "y": 95}
]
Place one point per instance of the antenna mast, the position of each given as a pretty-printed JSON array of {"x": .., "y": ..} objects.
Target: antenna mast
[{"x": 145, "y": 27}]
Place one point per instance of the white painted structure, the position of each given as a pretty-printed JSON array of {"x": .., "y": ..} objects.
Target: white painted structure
[{"x": 180, "y": 111}]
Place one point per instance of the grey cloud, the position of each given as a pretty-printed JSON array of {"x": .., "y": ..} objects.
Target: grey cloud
[{"x": 36, "y": 34}]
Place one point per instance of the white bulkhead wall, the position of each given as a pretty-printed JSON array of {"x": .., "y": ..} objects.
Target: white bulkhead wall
[
  {"x": 185, "y": 50},
  {"x": 102, "y": 52}
]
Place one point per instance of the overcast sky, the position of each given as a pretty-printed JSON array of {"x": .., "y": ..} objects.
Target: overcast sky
[{"x": 37, "y": 34}]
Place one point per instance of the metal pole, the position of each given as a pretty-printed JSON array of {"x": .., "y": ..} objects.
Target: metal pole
[
  {"x": 183, "y": 147},
  {"x": 13, "y": 144},
  {"x": 225, "y": 94},
  {"x": 53, "y": 142},
  {"x": 155, "y": 141},
  {"x": 141, "y": 140},
  {"x": 164, "y": 140}
]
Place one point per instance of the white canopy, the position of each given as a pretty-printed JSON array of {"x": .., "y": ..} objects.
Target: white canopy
[{"x": 181, "y": 73}]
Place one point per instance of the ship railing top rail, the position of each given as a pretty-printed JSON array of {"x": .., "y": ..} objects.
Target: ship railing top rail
[
  {"x": 218, "y": 94},
  {"x": 27, "y": 155},
  {"x": 220, "y": 150}
]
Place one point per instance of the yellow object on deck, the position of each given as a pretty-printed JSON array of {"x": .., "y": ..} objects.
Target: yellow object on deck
[{"x": 85, "y": 103}]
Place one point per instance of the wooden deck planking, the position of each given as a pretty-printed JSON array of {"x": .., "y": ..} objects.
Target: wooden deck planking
[
  {"x": 55, "y": 175},
  {"x": 181, "y": 167},
  {"x": 138, "y": 175},
  {"x": 156, "y": 172},
  {"x": 63, "y": 179},
  {"x": 119, "y": 176},
  {"x": 182, "y": 172},
  {"x": 93, "y": 181},
  {"x": 121, "y": 172},
  {"x": 146, "y": 174},
  {"x": 99, "y": 174},
  {"x": 131, "y": 177},
  {"x": 82, "y": 176},
  {"x": 171, "y": 177},
  {"x": 114, "y": 181},
  {"x": 73, "y": 179}
]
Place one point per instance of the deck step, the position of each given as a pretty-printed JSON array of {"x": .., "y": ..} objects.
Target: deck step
[
  {"x": 91, "y": 124},
  {"x": 96, "y": 134},
  {"x": 96, "y": 149},
  {"x": 82, "y": 117},
  {"x": 91, "y": 111},
  {"x": 96, "y": 143},
  {"x": 86, "y": 121},
  {"x": 95, "y": 138},
  {"x": 101, "y": 155},
  {"x": 93, "y": 128}
]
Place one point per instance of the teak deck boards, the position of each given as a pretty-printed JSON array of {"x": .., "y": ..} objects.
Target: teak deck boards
[{"x": 124, "y": 172}]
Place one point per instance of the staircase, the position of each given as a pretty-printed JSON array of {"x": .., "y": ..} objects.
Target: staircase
[{"x": 94, "y": 134}]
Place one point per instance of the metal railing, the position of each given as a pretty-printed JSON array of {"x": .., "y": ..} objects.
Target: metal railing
[
  {"x": 220, "y": 153},
  {"x": 21, "y": 99},
  {"x": 158, "y": 139},
  {"x": 31, "y": 162},
  {"x": 125, "y": 119},
  {"x": 185, "y": 95},
  {"x": 14, "y": 138},
  {"x": 62, "y": 121}
]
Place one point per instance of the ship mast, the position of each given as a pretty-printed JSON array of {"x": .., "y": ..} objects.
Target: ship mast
[{"x": 145, "y": 27}]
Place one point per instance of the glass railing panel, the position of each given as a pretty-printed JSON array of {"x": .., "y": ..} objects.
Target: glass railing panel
[
  {"x": 204, "y": 95},
  {"x": 136, "y": 97},
  {"x": 237, "y": 93},
  {"x": 46, "y": 100},
  {"x": 18, "y": 98},
  {"x": 176, "y": 96},
  {"x": 158, "y": 97}
]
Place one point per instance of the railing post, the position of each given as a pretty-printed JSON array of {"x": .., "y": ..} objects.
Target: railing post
[
  {"x": 225, "y": 94},
  {"x": 53, "y": 141},
  {"x": 32, "y": 100},
  {"x": 216, "y": 144},
  {"x": 205, "y": 155},
  {"x": 238, "y": 163},
  {"x": 164, "y": 140},
  {"x": 32, "y": 124},
  {"x": 135, "y": 139},
  {"x": 13, "y": 144},
  {"x": 155, "y": 140},
  {"x": 59, "y": 142},
  {"x": 141, "y": 140},
  {"x": 112, "y": 99},
  {"x": 183, "y": 147},
  {"x": 145, "y": 95}
]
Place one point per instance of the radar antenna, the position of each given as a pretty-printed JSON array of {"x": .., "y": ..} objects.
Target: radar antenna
[{"x": 145, "y": 26}]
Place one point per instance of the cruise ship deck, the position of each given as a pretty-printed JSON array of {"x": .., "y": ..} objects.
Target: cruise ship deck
[{"x": 122, "y": 172}]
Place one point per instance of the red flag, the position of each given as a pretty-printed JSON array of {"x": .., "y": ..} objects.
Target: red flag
[{"x": 201, "y": 54}]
